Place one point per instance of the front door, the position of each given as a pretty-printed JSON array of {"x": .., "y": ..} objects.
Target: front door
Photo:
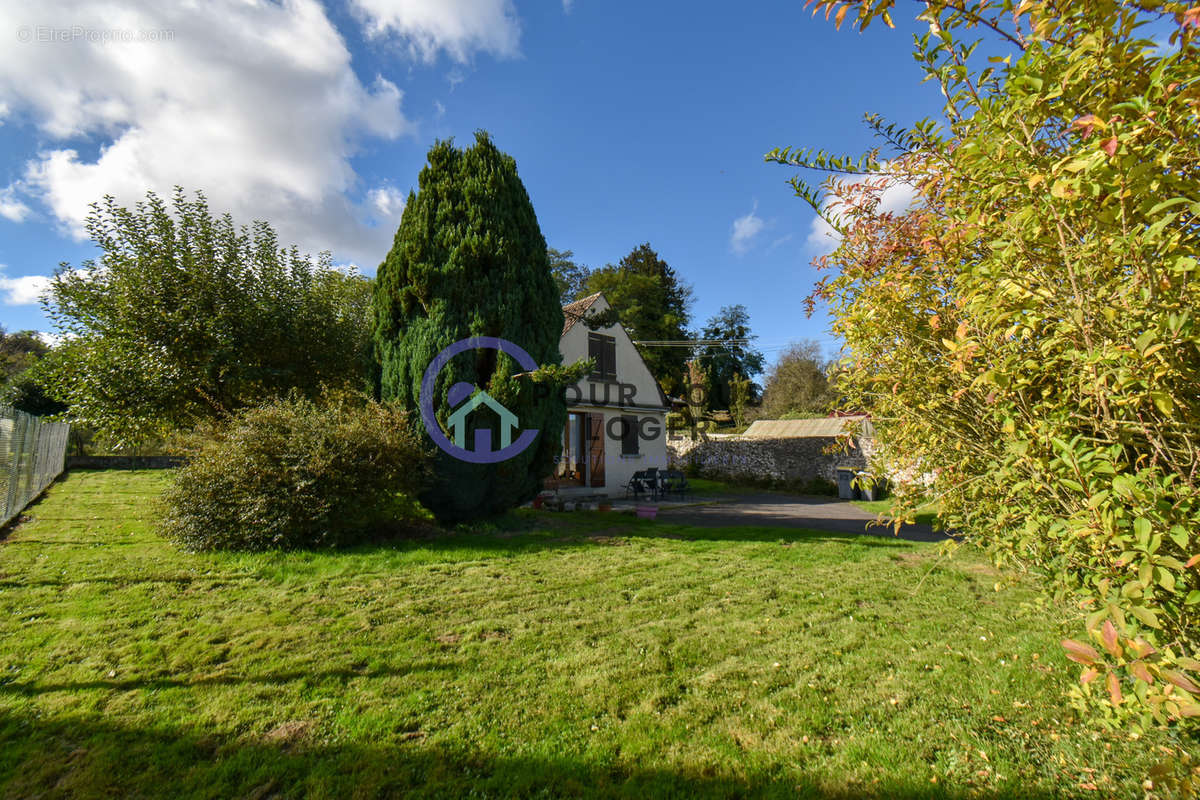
[
  {"x": 572, "y": 462},
  {"x": 595, "y": 436}
]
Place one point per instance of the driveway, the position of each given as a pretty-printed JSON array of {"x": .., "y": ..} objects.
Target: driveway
[{"x": 792, "y": 511}]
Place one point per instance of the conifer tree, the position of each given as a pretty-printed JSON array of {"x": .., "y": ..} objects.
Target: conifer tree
[{"x": 469, "y": 260}]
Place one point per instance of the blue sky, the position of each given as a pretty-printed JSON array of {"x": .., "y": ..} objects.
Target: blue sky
[{"x": 629, "y": 121}]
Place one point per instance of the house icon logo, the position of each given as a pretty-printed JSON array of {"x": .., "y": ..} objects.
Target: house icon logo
[
  {"x": 483, "y": 436},
  {"x": 466, "y": 399}
]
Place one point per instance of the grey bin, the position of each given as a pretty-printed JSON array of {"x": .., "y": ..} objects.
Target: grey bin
[
  {"x": 846, "y": 489},
  {"x": 875, "y": 490}
]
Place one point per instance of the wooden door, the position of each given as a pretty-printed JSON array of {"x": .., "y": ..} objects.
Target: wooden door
[{"x": 595, "y": 449}]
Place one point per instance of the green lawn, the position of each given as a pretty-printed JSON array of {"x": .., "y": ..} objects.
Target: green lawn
[
  {"x": 551, "y": 655},
  {"x": 926, "y": 514}
]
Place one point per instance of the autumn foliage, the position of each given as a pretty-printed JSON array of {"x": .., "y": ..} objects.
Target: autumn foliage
[{"x": 1025, "y": 335}]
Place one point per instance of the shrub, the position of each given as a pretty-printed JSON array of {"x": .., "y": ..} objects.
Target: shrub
[
  {"x": 295, "y": 474},
  {"x": 1026, "y": 332}
]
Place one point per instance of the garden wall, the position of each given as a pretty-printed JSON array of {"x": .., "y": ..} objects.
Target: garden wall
[{"x": 790, "y": 460}]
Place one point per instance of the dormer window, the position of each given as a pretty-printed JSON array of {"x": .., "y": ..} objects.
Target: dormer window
[{"x": 603, "y": 350}]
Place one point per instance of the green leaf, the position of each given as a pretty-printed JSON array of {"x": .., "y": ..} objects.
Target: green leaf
[
  {"x": 1164, "y": 205},
  {"x": 1142, "y": 528},
  {"x": 1163, "y": 402},
  {"x": 1144, "y": 341},
  {"x": 1146, "y": 616}
]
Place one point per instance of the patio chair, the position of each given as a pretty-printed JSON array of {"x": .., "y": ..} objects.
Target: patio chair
[
  {"x": 676, "y": 483},
  {"x": 636, "y": 485},
  {"x": 654, "y": 480}
]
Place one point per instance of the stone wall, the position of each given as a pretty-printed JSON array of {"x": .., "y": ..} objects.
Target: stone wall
[{"x": 793, "y": 460}]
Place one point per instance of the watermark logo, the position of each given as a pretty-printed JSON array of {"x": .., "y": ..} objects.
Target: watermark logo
[
  {"x": 465, "y": 399},
  {"x": 51, "y": 34}
]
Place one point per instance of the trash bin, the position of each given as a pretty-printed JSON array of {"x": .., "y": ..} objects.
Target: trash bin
[
  {"x": 846, "y": 484},
  {"x": 869, "y": 487}
]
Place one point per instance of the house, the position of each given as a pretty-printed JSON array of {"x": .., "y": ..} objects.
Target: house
[{"x": 616, "y": 416}]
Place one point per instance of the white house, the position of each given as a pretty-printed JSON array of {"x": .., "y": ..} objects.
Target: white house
[{"x": 616, "y": 420}]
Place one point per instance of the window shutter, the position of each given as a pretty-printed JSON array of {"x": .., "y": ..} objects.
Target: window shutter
[
  {"x": 629, "y": 435},
  {"x": 610, "y": 357},
  {"x": 596, "y": 353}
]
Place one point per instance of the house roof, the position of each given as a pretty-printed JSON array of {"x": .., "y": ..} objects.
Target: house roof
[
  {"x": 573, "y": 312},
  {"x": 576, "y": 311},
  {"x": 797, "y": 428}
]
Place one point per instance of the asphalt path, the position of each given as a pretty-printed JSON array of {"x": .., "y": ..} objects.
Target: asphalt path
[{"x": 793, "y": 511}]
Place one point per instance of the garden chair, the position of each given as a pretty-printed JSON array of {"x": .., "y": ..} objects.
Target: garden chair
[
  {"x": 676, "y": 483},
  {"x": 653, "y": 480},
  {"x": 636, "y": 484}
]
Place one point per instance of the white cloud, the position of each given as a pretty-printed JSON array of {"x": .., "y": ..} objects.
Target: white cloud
[
  {"x": 454, "y": 77},
  {"x": 896, "y": 198},
  {"x": 51, "y": 339},
  {"x": 23, "y": 291},
  {"x": 782, "y": 240},
  {"x": 11, "y": 208},
  {"x": 458, "y": 27},
  {"x": 568, "y": 5},
  {"x": 822, "y": 236},
  {"x": 388, "y": 201},
  {"x": 745, "y": 229},
  {"x": 252, "y": 101}
]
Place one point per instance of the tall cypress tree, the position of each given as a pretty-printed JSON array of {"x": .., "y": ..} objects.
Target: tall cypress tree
[{"x": 469, "y": 260}]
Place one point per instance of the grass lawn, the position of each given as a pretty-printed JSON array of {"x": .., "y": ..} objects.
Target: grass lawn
[
  {"x": 552, "y": 655},
  {"x": 926, "y": 514},
  {"x": 707, "y": 486}
]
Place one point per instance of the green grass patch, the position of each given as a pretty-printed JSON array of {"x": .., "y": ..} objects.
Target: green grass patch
[
  {"x": 927, "y": 514},
  {"x": 543, "y": 655}
]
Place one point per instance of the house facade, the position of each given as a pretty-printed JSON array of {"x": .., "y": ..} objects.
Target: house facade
[{"x": 616, "y": 416}]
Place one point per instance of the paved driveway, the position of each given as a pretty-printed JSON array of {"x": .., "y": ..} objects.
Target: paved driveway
[{"x": 792, "y": 511}]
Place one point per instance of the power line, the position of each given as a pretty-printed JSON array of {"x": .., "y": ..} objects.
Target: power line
[{"x": 689, "y": 342}]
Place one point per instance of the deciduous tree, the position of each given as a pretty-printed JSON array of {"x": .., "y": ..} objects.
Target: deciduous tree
[
  {"x": 797, "y": 383},
  {"x": 570, "y": 276},
  {"x": 735, "y": 355},
  {"x": 653, "y": 304},
  {"x": 187, "y": 316}
]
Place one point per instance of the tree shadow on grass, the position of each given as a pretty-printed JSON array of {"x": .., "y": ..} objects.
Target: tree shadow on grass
[
  {"x": 512, "y": 535},
  {"x": 206, "y": 581},
  {"x": 151, "y": 683},
  {"x": 91, "y": 756}
]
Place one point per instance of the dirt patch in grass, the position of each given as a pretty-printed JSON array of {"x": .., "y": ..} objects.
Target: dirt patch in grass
[
  {"x": 609, "y": 536},
  {"x": 980, "y": 568},
  {"x": 289, "y": 732},
  {"x": 492, "y": 635}
]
